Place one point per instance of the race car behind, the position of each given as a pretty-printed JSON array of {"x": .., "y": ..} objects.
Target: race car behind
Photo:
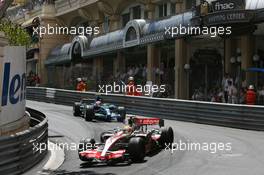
[{"x": 95, "y": 109}]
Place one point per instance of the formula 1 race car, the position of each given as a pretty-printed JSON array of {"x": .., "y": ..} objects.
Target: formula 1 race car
[
  {"x": 94, "y": 109},
  {"x": 130, "y": 144}
]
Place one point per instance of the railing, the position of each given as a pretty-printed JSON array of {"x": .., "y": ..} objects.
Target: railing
[
  {"x": 18, "y": 152},
  {"x": 228, "y": 115}
]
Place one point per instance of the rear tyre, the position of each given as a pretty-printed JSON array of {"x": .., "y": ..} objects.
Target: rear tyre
[
  {"x": 76, "y": 110},
  {"x": 136, "y": 149},
  {"x": 89, "y": 114},
  {"x": 167, "y": 137},
  {"x": 122, "y": 112}
]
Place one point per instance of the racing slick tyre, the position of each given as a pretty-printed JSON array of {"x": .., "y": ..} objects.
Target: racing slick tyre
[
  {"x": 84, "y": 145},
  {"x": 76, "y": 110},
  {"x": 167, "y": 137},
  {"x": 136, "y": 149},
  {"x": 89, "y": 114},
  {"x": 122, "y": 112}
]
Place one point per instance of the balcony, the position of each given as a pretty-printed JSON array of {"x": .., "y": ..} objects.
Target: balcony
[{"x": 64, "y": 7}]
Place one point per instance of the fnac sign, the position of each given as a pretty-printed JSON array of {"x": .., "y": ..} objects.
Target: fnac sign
[{"x": 223, "y": 5}]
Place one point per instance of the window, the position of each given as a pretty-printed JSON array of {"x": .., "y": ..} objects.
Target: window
[
  {"x": 131, "y": 34},
  {"x": 190, "y": 4},
  {"x": 136, "y": 12},
  {"x": 125, "y": 19},
  {"x": 132, "y": 12},
  {"x": 163, "y": 10},
  {"x": 173, "y": 8}
]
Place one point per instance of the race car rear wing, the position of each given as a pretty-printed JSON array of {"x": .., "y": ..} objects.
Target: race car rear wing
[{"x": 141, "y": 121}]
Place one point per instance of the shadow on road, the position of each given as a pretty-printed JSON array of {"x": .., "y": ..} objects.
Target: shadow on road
[
  {"x": 99, "y": 165},
  {"x": 63, "y": 172}
]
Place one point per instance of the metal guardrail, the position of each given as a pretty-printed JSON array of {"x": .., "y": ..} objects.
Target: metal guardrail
[
  {"x": 228, "y": 115},
  {"x": 17, "y": 152}
]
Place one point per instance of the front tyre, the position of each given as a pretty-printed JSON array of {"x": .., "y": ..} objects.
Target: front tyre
[
  {"x": 167, "y": 137},
  {"x": 136, "y": 149},
  {"x": 84, "y": 145},
  {"x": 89, "y": 114},
  {"x": 122, "y": 113}
]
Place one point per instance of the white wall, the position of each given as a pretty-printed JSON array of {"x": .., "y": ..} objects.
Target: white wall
[{"x": 13, "y": 88}]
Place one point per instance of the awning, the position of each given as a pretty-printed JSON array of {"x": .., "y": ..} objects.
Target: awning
[
  {"x": 156, "y": 30},
  {"x": 146, "y": 32},
  {"x": 59, "y": 55},
  {"x": 105, "y": 43}
]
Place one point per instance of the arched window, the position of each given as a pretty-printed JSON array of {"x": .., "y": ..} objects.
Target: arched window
[
  {"x": 76, "y": 51},
  {"x": 131, "y": 34}
]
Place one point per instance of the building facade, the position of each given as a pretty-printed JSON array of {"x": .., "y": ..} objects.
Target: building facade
[{"x": 140, "y": 36}]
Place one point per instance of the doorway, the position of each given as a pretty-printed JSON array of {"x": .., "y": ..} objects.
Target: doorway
[{"x": 206, "y": 71}]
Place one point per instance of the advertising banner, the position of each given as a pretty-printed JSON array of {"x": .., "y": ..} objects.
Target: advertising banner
[{"x": 13, "y": 85}]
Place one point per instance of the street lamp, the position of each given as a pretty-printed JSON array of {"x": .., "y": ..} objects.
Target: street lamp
[
  {"x": 239, "y": 59},
  {"x": 187, "y": 68},
  {"x": 232, "y": 60},
  {"x": 256, "y": 58},
  {"x": 236, "y": 60}
]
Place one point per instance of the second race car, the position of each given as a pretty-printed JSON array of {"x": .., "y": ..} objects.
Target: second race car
[{"x": 95, "y": 109}]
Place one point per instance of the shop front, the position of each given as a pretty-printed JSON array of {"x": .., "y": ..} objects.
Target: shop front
[{"x": 228, "y": 53}]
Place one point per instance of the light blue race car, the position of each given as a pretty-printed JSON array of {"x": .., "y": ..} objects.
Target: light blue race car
[{"x": 95, "y": 109}]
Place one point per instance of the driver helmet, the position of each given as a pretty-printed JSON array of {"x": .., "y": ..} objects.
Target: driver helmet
[
  {"x": 79, "y": 79},
  {"x": 127, "y": 129},
  {"x": 130, "y": 79},
  {"x": 98, "y": 103},
  {"x": 251, "y": 87}
]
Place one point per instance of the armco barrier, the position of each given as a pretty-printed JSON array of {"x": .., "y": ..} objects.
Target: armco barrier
[
  {"x": 237, "y": 116},
  {"x": 18, "y": 152}
]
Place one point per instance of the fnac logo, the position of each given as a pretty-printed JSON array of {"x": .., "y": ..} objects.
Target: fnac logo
[{"x": 14, "y": 88}]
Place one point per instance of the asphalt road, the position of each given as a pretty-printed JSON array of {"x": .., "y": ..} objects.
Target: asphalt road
[{"x": 246, "y": 156}]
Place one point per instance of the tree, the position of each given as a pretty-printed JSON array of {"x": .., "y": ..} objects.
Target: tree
[
  {"x": 4, "y": 4},
  {"x": 16, "y": 35}
]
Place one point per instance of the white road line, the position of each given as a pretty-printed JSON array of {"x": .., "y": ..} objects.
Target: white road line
[{"x": 56, "y": 158}]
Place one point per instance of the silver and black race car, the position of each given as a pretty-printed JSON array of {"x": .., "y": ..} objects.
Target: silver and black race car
[
  {"x": 130, "y": 144},
  {"x": 94, "y": 109}
]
